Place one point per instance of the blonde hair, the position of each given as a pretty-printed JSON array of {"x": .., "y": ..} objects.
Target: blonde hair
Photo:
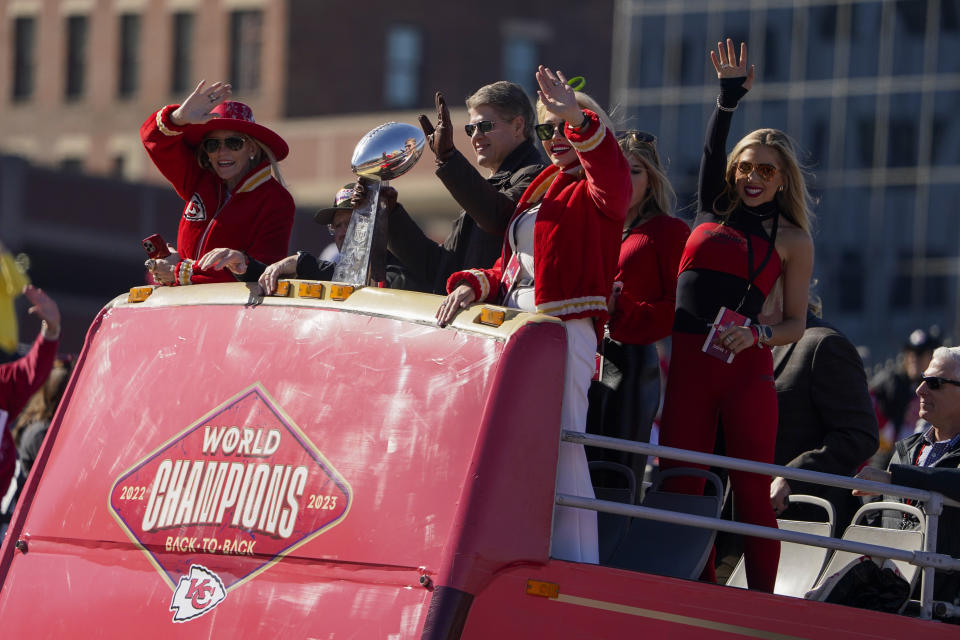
[
  {"x": 263, "y": 151},
  {"x": 794, "y": 201},
  {"x": 585, "y": 102},
  {"x": 661, "y": 199}
]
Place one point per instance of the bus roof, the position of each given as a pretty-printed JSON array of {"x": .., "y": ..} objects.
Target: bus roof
[{"x": 410, "y": 306}]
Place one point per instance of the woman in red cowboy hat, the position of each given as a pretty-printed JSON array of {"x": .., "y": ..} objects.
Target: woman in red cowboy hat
[{"x": 219, "y": 160}]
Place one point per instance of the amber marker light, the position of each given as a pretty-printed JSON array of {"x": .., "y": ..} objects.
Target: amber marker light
[
  {"x": 139, "y": 294},
  {"x": 341, "y": 291},
  {"x": 310, "y": 290},
  {"x": 283, "y": 288},
  {"x": 492, "y": 317},
  {"x": 542, "y": 589}
]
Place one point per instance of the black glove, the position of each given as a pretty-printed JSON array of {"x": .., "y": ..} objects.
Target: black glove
[
  {"x": 388, "y": 195},
  {"x": 440, "y": 138}
]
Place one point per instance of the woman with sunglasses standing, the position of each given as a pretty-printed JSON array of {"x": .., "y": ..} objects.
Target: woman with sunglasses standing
[
  {"x": 750, "y": 257},
  {"x": 624, "y": 402},
  {"x": 224, "y": 165},
  {"x": 559, "y": 257}
]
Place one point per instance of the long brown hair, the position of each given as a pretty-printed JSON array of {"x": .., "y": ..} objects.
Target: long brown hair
[
  {"x": 661, "y": 199},
  {"x": 43, "y": 404}
]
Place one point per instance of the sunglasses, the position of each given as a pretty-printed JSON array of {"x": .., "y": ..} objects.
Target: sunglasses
[
  {"x": 935, "y": 382},
  {"x": 546, "y": 130},
  {"x": 234, "y": 143},
  {"x": 485, "y": 126},
  {"x": 765, "y": 171},
  {"x": 643, "y": 137}
]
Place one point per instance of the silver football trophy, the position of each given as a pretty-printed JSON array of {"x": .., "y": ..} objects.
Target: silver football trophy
[{"x": 387, "y": 152}]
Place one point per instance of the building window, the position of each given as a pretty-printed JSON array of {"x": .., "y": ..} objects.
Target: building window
[
  {"x": 402, "y": 68},
  {"x": 647, "y": 52},
  {"x": 118, "y": 167},
  {"x": 903, "y": 130},
  {"x": 693, "y": 71},
  {"x": 520, "y": 56},
  {"x": 245, "y": 44},
  {"x": 181, "y": 50},
  {"x": 24, "y": 61},
  {"x": 76, "y": 57},
  {"x": 127, "y": 79},
  {"x": 776, "y": 54},
  {"x": 850, "y": 278}
]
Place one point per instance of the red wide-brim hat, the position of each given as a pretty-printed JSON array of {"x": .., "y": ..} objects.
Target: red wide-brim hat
[{"x": 236, "y": 116}]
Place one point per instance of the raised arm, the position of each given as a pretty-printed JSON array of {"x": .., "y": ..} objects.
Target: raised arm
[
  {"x": 22, "y": 377},
  {"x": 162, "y": 135},
  {"x": 489, "y": 207},
  {"x": 606, "y": 168},
  {"x": 736, "y": 79}
]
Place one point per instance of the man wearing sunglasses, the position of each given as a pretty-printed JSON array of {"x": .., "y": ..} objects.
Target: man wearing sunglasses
[
  {"x": 894, "y": 388},
  {"x": 501, "y": 134},
  {"x": 931, "y": 460}
]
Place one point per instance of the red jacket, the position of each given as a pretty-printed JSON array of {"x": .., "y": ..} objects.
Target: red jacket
[
  {"x": 649, "y": 262},
  {"x": 576, "y": 238},
  {"x": 18, "y": 381},
  {"x": 256, "y": 219}
]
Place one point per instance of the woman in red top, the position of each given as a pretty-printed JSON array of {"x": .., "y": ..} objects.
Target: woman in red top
[
  {"x": 219, "y": 160},
  {"x": 641, "y": 307},
  {"x": 559, "y": 257},
  {"x": 750, "y": 242}
]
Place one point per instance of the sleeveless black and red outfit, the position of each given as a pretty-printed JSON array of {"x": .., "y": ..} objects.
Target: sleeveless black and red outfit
[{"x": 728, "y": 261}]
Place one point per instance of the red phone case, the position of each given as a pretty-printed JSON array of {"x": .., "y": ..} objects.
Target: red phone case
[{"x": 156, "y": 247}]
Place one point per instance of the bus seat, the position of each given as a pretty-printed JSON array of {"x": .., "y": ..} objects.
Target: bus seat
[
  {"x": 910, "y": 539},
  {"x": 800, "y": 564},
  {"x": 612, "y": 528},
  {"x": 670, "y": 549}
]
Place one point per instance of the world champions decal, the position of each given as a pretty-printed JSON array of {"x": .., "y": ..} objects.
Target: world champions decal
[{"x": 233, "y": 493}]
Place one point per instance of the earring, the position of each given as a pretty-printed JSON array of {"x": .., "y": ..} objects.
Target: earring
[{"x": 252, "y": 157}]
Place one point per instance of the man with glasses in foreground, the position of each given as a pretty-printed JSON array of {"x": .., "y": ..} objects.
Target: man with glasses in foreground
[
  {"x": 501, "y": 133},
  {"x": 931, "y": 460}
]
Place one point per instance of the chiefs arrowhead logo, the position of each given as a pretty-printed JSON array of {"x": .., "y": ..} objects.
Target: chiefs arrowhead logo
[
  {"x": 196, "y": 594},
  {"x": 195, "y": 210}
]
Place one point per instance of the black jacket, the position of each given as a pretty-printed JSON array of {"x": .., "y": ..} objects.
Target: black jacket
[
  {"x": 826, "y": 418},
  {"x": 477, "y": 234},
  {"x": 309, "y": 267},
  {"x": 942, "y": 476}
]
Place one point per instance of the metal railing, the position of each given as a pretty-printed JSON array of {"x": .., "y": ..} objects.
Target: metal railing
[{"x": 927, "y": 559}]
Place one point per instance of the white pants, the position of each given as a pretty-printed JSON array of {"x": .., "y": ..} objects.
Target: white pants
[{"x": 575, "y": 530}]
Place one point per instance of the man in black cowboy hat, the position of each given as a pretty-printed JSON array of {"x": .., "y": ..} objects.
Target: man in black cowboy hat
[{"x": 337, "y": 217}]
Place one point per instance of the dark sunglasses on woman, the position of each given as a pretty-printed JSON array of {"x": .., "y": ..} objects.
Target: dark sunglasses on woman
[
  {"x": 643, "y": 137},
  {"x": 485, "y": 126},
  {"x": 765, "y": 171},
  {"x": 935, "y": 382},
  {"x": 234, "y": 143},
  {"x": 546, "y": 130}
]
